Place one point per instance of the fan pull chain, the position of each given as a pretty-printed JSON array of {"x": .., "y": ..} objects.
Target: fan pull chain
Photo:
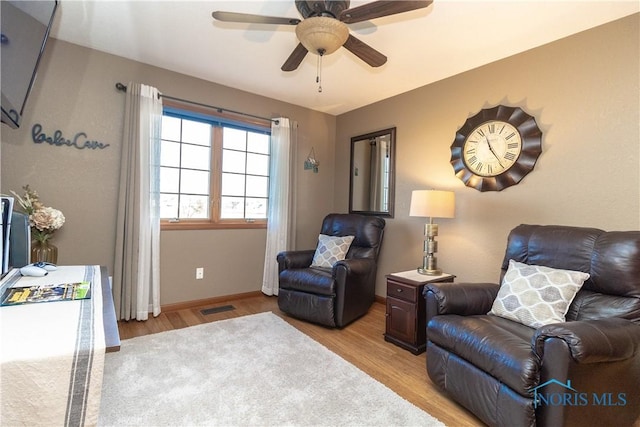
[{"x": 319, "y": 70}]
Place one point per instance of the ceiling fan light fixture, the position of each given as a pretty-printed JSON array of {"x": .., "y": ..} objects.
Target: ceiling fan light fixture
[{"x": 322, "y": 35}]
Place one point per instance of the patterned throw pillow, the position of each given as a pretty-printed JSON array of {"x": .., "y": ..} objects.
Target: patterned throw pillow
[
  {"x": 330, "y": 250},
  {"x": 536, "y": 295}
]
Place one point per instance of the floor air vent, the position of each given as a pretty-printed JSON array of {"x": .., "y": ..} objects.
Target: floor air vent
[{"x": 214, "y": 310}]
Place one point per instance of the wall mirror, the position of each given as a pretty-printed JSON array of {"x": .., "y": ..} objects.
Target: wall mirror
[{"x": 372, "y": 180}]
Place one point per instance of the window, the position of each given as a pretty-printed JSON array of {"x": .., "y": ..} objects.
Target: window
[{"x": 214, "y": 173}]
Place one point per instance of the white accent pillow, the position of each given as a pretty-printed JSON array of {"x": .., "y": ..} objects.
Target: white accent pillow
[
  {"x": 535, "y": 295},
  {"x": 330, "y": 250}
]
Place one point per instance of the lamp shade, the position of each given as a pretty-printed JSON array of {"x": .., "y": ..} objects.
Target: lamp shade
[
  {"x": 432, "y": 203},
  {"x": 322, "y": 35}
]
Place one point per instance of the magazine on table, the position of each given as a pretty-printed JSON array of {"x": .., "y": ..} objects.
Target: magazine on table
[{"x": 46, "y": 293}]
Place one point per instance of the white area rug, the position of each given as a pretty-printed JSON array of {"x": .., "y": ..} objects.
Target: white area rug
[{"x": 255, "y": 370}]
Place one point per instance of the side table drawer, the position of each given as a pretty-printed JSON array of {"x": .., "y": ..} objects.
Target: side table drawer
[{"x": 402, "y": 291}]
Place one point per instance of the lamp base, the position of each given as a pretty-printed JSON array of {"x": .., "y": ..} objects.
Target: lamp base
[{"x": 429, "y": 272}]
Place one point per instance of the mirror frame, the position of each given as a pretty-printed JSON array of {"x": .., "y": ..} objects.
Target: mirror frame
[{"x": 392, "y": 172}]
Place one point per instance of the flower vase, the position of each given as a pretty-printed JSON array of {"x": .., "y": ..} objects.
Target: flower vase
[{"x": 44, "y": 251}]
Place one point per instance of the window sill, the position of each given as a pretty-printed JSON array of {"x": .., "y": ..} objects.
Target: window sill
[{"x": 170, "y": 226}]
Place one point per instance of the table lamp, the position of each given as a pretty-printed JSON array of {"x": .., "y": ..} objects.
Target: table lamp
[{"x": 431, "y": 203}]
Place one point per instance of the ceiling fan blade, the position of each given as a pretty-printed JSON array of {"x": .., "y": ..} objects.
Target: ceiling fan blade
[
  {"x": 378, "y": 9},
  {"x": 295, "y": 58},
  {"x": 364, "y": 52},
  {"x": 253, "y": 19}
]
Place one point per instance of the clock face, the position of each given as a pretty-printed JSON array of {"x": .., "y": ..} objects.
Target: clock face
[
  {"x": 492, "y": 148},
  {"x": 496, "y": 148}
]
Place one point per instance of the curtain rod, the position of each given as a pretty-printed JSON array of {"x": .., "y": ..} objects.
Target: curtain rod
[{"x": 123, "y": 88}]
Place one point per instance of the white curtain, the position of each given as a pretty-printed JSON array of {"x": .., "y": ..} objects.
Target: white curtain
[
  {"x": 378, "y": 177},
  {"x": 281, "y": 212},
  {"x": 375, "y": 174},
  {"x": 136, "y": 278}
]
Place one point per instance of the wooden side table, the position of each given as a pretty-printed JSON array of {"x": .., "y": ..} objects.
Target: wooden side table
[{"x": 406, "y": 316}]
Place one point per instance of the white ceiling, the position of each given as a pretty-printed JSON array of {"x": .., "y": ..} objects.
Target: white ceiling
[{"x": 423, "y": 46}]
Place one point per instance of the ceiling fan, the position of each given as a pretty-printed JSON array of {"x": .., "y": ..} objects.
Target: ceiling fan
[{"x": 324, "y": 27}]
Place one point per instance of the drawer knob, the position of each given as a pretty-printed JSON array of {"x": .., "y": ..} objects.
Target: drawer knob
[{"x": 398, "y": 290}]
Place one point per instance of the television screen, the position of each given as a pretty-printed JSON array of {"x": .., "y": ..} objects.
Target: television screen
[
  {"x": 6, "y": 214},
  {"x": 19, "y": 240},
  {"x": 15, "y": 237},
  {"x": 24, "y": 31}
]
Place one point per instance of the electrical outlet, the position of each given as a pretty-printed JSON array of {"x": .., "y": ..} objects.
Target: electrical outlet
[{"x": 199, "y": 273}]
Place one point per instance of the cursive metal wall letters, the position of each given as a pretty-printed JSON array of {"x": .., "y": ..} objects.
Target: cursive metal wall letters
[{"x": 58, "y": 139}]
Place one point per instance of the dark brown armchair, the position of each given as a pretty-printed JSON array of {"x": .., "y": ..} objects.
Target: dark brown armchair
[
  {"x": 583, "y": 371},
  {"x": 337, "y": 295}
]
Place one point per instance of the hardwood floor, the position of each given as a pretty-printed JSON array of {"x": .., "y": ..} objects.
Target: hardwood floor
[{"x": 361, "y": 343}]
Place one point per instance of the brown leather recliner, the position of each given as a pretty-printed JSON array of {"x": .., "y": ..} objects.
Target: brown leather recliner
[
  {"x": 583, "y": 372},
  {"x": 334, "y": 296}
]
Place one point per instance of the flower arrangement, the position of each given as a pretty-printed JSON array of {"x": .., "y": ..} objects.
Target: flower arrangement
[{"x": 44, "y": 220}]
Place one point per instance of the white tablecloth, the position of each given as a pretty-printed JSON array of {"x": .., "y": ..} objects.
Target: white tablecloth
[{"x": 52, "y": 354}]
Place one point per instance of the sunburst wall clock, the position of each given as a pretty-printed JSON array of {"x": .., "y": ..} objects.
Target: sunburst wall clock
[{"x": 496, "y": 148}]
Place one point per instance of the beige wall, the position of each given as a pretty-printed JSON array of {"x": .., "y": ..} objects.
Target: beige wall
[
  {"x": 584, "y": 92},
  {"x": 75, "y": 93}
]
